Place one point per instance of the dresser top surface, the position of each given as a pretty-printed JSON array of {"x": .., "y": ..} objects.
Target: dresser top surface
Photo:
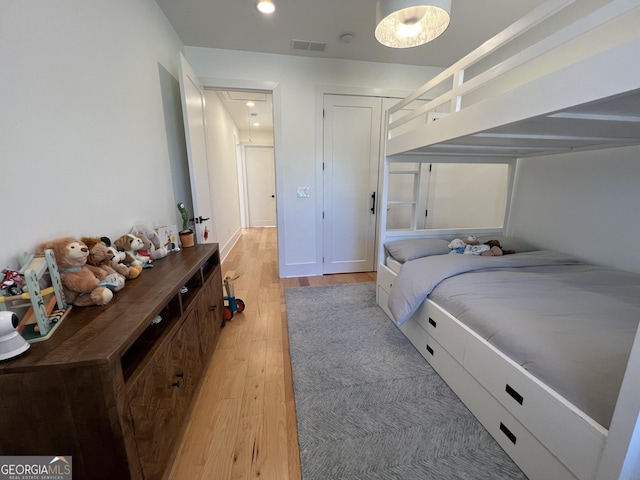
[{"x": 98, "y": 334}]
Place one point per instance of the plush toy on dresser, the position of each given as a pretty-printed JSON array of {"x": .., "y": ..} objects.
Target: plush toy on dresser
[
  {"x": 80, "y": 284},
  {"x": 117, "y": 262},
  {"x": 130, "y": 245},
  {"x": 100, "y": 257},
  {"x": 151, "y": 239}
]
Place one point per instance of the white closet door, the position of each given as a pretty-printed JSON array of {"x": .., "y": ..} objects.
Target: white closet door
[
  {"x": 195, "y": 126},
  {"x": 351, "y": 155},
  {"x": 261, "y": 186}
]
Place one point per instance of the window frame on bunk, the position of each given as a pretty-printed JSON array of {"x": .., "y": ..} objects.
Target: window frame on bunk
[{"x": 386, "y": 235}]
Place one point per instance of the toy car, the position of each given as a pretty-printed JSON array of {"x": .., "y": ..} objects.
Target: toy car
[{"x": 13, "y": 282}]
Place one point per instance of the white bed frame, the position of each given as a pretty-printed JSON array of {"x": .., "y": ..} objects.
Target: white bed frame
[{"x": 524, "y": 100}]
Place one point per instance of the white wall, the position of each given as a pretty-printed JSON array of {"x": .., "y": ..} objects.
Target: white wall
[
  {"x": 582, "y": 203},
  {"x": 222, "y": 134},
  {"x": 85, "y": 145},
  {"x": 298, "y": 83}
]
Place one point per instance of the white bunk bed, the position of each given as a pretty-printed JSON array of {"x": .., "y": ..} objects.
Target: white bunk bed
[{"x": 564, "y": 78}]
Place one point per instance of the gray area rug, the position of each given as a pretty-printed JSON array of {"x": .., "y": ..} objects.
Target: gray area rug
[{"x": 368, "y": 404}]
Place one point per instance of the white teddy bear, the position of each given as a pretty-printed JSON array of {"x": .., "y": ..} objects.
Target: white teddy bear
[{"x": 459, "y": 246}]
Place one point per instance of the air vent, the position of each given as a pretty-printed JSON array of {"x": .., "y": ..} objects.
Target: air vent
[{"x": 308, "y": 46}]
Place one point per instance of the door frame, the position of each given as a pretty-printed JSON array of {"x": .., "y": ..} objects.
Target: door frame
[{"x": 275, "y": 89}]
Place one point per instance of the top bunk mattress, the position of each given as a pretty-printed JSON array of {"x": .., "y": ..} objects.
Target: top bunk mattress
[{"x": 568, "y": 323}]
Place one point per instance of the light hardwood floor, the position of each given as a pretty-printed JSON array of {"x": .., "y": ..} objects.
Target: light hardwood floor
[{"x": 243, "y": 423}]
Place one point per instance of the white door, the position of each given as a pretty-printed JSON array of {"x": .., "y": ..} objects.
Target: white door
[
  {"x": 261, "y": 186},
  {"x": 351, "y": 157},
  {"x": 195, "y": 126}
]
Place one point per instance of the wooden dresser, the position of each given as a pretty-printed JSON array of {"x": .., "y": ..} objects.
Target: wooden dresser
[{"x": 110, "y": 388}]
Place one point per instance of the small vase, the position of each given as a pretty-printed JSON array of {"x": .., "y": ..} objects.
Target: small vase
[{"x": 186, "y": 238}]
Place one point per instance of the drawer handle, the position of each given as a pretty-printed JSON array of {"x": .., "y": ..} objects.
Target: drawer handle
[
  {"x": 180, "y": 374},
  {"x": 516, "y": 396},
  {"x": 433, "y": 322},
  {"x": 176, "y": 384},
  {"x": 212, "y": 308},
  {"x": 508, "y": 433},
  {"x": 429, "y": 349}
]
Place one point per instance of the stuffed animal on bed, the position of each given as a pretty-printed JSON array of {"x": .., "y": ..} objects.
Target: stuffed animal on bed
[
  {"x": 495, "y": 249},
  {"x": 457, "y": 246},
  {"x": 467, "y": 246}
]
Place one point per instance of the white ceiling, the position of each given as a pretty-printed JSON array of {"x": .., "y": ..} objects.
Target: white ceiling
[
  {"x": 237, "y": 25},
  {"x": 262, "y": 112}
]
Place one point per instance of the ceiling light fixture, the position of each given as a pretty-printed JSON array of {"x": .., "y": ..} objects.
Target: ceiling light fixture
[
  {"x": 266, "y": 6},
  {"x": 250, "y": 104},
  {"x": 409, "y": 23}
]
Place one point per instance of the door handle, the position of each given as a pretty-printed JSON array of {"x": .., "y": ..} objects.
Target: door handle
[
  {"x": 373, "y": 203},
  {"x": 200, "y": 219}
]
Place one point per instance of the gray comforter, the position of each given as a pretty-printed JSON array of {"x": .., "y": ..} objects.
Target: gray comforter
[
  {"x": 568, "y": 323},
  {"x": 418, "y": 278}
]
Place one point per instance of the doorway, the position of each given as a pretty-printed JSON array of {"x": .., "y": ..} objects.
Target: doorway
[
  {"x": 228, "y": 120},
  {"x": 241, "y": 147}
]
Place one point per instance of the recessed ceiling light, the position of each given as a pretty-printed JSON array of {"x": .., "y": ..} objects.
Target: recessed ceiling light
[
  {"x": 266, "y": 6},
  {"x": 256, "y": 124},
  {"x": 250, "y": 104}
]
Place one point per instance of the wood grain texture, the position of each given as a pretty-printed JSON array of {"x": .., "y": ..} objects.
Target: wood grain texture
[
  {"x": 102, "y": 388},
  {"x": 243, "y": 424}
]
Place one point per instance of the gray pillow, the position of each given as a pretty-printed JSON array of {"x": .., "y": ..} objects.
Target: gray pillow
[
  {"x": 412, "y": 248},
  {"x": 510, "y": 243}
]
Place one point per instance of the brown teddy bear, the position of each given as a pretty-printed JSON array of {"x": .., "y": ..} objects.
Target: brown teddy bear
[
  {"x": 495, "y": 249},
  {"x": 80, "y": 284},
  {"x": 99, "y": 260}
]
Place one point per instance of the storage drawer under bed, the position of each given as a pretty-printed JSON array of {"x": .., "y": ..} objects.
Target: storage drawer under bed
[
  {"x": 577, "y": 442},
  {"x": 531, "y": 456},
  {"x": 439, "y": 324},
  {"x": 529, "y": 453},
  {"x": 443, "y": 363},
  {"x": 385, "y": 279}
]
